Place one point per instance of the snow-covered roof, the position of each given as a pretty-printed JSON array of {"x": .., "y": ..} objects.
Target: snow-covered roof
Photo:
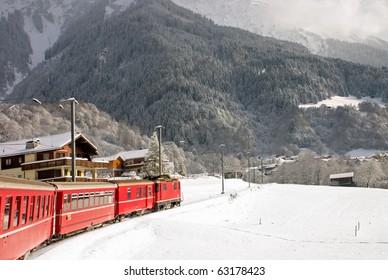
[
  {"x": 124, "y": 155},
  {"x": 46, "y": 143},
  {"x": 341, "y": 175},
  {"x": 133, "y": 154}
]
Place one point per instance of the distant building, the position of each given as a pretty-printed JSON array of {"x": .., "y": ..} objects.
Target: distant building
[
  {"x": 124, "y": 162},
  {"x": 342, "y": 179},
  {"x": 48, "y": 158}
]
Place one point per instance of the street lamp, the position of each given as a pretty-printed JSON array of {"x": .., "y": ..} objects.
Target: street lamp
[
  {"x": 249, "y": 170},
  {"x": 160, "y": 148},
  {"x": 73, "y": 101},
  {"x": 222, "y": 146}
]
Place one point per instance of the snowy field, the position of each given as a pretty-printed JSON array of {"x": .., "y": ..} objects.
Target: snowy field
[
  {"x": 336, "y": 101},
  {"x": 268, "y": 222}
]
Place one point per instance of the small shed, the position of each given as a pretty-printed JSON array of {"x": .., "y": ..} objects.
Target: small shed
[{"x": 342, "y": 179}]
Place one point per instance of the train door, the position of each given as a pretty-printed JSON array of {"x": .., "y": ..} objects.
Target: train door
[
  {"x": 149, "y": 197},
  {"x": 1, "y": 214}
]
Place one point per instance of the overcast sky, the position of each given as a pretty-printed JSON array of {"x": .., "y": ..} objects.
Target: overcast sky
[{"x": 334, "y": 17}]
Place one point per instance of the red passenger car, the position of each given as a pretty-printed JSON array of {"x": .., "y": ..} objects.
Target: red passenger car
[
  {"x": 167, "y": 193},
  {"x": 83, "y": 205},
  {"x": 134, "y": 196},
  {"x": 26, "y": 215}
]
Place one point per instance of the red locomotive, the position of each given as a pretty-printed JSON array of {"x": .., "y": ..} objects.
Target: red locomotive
[{"x": 32, "y": 213}]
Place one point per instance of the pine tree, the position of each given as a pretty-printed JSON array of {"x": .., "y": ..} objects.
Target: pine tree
[{"x": 151, "y": 166}]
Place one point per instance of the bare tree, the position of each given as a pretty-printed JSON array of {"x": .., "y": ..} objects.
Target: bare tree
[{"x": 369, "y": 174}]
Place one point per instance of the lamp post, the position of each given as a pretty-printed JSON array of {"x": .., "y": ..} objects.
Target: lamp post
[
  {"x": 160, "y": 148},
  {"x": 249, "y": 170},
  {"x": 222, "y": 146},
  {"x": 73, "y": 101}
]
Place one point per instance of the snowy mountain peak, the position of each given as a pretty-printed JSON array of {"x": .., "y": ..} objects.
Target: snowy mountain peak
[{"x": 309, "y": 23}]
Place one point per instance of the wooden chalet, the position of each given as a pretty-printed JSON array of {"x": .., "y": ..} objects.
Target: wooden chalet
[
  {"x": 48, "y": 158},
  {"x": 124, "y": 162}
]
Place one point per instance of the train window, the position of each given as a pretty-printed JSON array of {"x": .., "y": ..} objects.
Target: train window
[
  {"x": 138, "y": 192},
  {"x": 96, "y": 199},
  {"x": 24, "y": 210},
  {"x": 175, "y": 186},
  {"x": 41, "y": 211},
  {"x": 37, "y": 205},
  {"x": 80, "y": 200},
  {"x": 101, "y": 198},
  {"x": 32, "y": 204},
  {"x": 106, "y": 197},
  {"x": 66, "y": 203},
  {"x": 144, "y": 191},
  {"x": 7, "y": 212},
  {"x": 47, "y": 206},
  {"x": 86, "y": 200},
  {"x": 110, "y": 197},
  {"x": 128, "y": 194},
  {"x": 73, "y": 201},
  {"x": 165, "y": 187},
  {"x": 149, "y": 191},
  {"x": 91, "y": 202},
  {"x": 16, "y": 212}
]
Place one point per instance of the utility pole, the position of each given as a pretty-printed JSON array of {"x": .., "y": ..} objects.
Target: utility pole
[
  {"x": 222, "y": 166},
  {"x": 73, "y": 153},
  {"x": 160, "y": 148}
]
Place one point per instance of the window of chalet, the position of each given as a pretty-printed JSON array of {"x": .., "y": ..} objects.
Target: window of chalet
[{"x": 8, "y": 161}]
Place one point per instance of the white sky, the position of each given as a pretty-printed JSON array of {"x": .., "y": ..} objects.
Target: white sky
[{"x": 335, "y": 18}]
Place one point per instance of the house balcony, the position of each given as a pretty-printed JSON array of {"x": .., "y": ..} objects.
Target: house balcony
[{"x": 63, "y": 162}]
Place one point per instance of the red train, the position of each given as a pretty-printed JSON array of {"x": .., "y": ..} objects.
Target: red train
[{"x": 32, "y": 213}]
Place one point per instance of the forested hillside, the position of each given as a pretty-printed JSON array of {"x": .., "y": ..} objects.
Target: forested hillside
[
  {"x": 157, "y": 63},
  {"x": 15, "y": 49}
]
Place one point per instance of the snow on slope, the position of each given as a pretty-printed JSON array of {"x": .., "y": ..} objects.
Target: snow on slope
[
  {"x": 278, "y": 222},
  {"x": 336, "y": 101}
]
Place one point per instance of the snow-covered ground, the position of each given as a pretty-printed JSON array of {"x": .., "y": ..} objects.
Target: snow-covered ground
[
  {"x": 287, "y": 231},
  {"x": 268, "y": 222},
  {"x": 336, "y": 101}
]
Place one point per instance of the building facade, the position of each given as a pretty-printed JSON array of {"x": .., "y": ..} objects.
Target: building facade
[{"x": 48, "y": 158}]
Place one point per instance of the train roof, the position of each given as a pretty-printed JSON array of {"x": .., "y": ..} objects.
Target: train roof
[
  {"x": 82, "y": 185},
  {"x": 131, "y": 182},
  {"x": 19, "y": 183}
]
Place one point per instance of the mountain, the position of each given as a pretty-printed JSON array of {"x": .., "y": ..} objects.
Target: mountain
[
  {"x": 29, "y": 27},
  {"x": 261, "y": 17},
  {"x": 158, "y": 63}
]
